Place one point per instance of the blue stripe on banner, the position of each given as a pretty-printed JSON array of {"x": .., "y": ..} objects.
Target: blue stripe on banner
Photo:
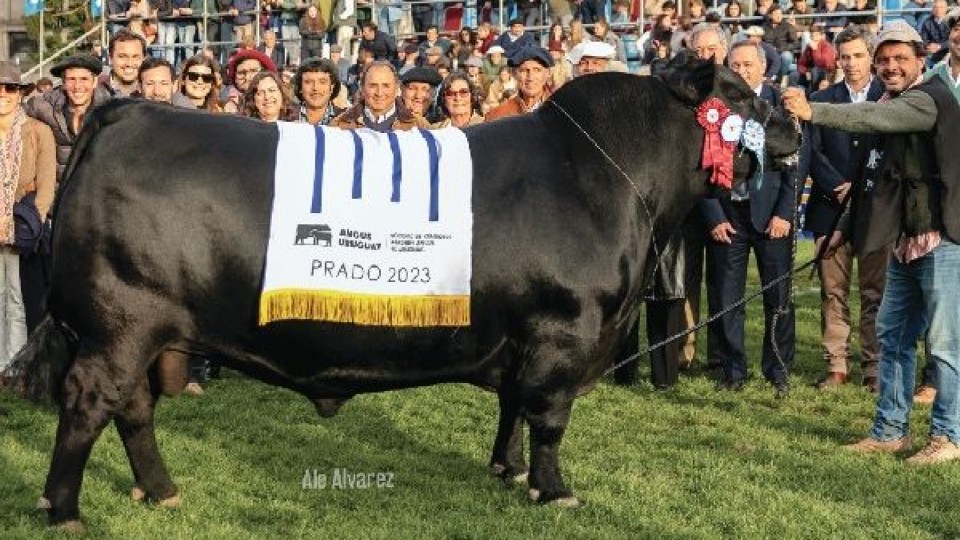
[
  {"x": 357, "y": 166},
  {"x": 397, "y": 165},
  {"x": 316, "y": 206},
  {"x": 434, "y": 174}
]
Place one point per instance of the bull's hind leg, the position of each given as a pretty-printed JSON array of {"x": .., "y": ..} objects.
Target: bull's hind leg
[
  {"x": 507, "y": 459},
  {"x": 90, "y": 398},
  {"x": 136, "y": 428}
]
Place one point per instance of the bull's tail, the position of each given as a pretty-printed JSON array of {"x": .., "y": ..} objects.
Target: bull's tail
[{"x": 39, "y": 369}]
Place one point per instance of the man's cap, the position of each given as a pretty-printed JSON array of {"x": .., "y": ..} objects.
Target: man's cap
[
  {"x": 423, "y": 74},
  {"x": 591, "y": 49},
  {"x": 754, "y": 31},
  {"x": 518, "y": 20},
  {"x": 818, "y": 27},
  {"x": 437, "y": 51},
  {"x": 473, "y": 61},
  {"x": 897, "y": 31},
  {"x": 336, "y": 48},
  {"x": 530, "y": 52},
  {"x": 10, "y": 74},
  {"x": 85, "y": 61},
  {"x": 953, "y": 17},
  {"x": 411, "y": 48},
  {"x": 496, "y": 49}
]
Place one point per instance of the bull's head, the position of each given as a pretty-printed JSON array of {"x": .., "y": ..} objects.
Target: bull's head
[{"x": 695, "y": 81}]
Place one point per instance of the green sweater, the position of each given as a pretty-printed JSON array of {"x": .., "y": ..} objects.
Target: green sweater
[
  {"x": 909, "y": 112},
  {"x": 943, "y": 70}
]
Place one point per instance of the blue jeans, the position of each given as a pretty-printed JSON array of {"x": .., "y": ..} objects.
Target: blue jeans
[{"x": 920, "y": 295}]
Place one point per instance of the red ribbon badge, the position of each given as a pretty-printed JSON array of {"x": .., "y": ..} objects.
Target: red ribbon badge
[{"x": 717, "y": 153}]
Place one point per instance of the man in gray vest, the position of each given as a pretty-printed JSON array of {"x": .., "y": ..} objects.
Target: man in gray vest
[{"x": 908, "y": 194}]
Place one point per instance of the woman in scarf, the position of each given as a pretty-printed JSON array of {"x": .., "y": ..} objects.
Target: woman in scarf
[{"x": 27, "y": 167}]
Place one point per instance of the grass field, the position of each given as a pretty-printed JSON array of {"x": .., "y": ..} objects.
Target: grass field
[{"x": 689, "y": 463}]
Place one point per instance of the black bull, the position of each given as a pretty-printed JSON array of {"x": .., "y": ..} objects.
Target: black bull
[{"x": 163, "y": 250}]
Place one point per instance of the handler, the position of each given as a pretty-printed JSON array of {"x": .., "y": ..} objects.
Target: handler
[{"x": 908, "y": 193}]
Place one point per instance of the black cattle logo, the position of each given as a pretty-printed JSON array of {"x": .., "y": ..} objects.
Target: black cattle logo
[{"x": 319, "y": 233}]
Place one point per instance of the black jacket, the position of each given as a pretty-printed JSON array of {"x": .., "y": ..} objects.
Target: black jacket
[{"x": 833, "y": 157}]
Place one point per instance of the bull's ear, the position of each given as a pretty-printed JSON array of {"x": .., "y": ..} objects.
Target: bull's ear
[{"x": 690, "y": 79}]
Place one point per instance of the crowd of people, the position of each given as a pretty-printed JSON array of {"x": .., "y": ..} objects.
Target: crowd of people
[{"x": 479, "y": 76}]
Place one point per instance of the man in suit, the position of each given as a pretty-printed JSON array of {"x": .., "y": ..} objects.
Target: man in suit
[
  {"x": 273, "y": 49},
  {"x": 758, "y": 217},
  {"x": 833, "y": 156}
]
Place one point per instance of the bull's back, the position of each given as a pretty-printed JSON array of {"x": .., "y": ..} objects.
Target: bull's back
[{"x": 166, "y": 202}]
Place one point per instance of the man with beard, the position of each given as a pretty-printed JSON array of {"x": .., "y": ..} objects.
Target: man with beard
[
  {"x": 908, "y": 194},
  {"x": 127, "y": 50},
  {"x": 531, "y": 67},
  {"x": 315, "y": 85},
  {"x": 378, "y": 107},
  {"x": 833, "y": 162},
  {"x": 420, "y": 90},
  {"x": 591, "y": 57}
]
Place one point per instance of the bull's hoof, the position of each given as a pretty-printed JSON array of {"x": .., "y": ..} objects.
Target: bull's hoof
[
  {"x": 73, "y": 526},
  {"x": 137, "y": 494},
  {"x": 170, "y": 502},
  {"x": 43, "y": 503},
  {"x": 566, "y": 501},
  {"x": 509, "y": 474}
]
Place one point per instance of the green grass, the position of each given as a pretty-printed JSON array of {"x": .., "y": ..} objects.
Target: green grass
[{"x": 690, "y": 463}]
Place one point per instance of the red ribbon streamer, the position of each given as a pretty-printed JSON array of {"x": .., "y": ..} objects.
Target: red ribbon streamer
[{"x": 717, "y": 153}]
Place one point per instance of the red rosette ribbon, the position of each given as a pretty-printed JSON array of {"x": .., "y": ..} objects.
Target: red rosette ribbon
[{"x": 717, "y": 153}]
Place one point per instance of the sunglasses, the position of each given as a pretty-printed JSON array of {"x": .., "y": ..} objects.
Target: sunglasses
[
  {"x": 463, "y": 92},
  {"x": 197, "y": 77},
  {"x": 10, "y": 87}
]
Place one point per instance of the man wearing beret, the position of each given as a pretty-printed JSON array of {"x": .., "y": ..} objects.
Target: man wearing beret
[
  {"x": 65, "y": 107},
  {"x": 419, "y": 89},
  {"x": 531, "y": 67},
  {"x": 908, "y": 194},
  {"x": 516, "y": 38}
]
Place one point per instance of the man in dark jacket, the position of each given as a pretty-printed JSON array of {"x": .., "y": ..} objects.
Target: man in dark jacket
[
  {"x": 909, "y": 194},
  {"x": 65, "y": 107},
  {"x": 783, "y": 37},
  {"x": 379, "y": 43},
  {"x": 757, "y": 217},
  {"x": 835, "y": 157}
]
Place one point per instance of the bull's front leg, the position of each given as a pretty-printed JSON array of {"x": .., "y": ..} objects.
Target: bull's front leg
[{"x": 507, "y": 459}]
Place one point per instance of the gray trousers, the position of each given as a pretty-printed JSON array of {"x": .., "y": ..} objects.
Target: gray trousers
[{"x": 13, "y": 321}]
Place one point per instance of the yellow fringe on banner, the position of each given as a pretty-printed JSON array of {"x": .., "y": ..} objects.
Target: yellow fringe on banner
[{"x": 366, "y": 309}]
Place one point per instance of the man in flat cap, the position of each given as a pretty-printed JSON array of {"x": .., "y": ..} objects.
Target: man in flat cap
[
  {"x": 907, "y": 194},
  {"x": 591, "y": 57},
  {"x": 65, "y": 107},
  {"x": 516, "y": 38},
  {"x": 531, "y": 67},
  {"x": 419, "y": 89}
]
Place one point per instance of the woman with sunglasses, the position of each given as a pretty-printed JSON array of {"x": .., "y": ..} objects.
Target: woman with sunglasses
[
  {"x": 199, "y": 85},
  {"x": 28, "y": 172},
  {"x": 459, "y": 102}
]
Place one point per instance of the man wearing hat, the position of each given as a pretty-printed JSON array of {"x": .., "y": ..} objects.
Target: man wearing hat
[
  {"x": 419, "y": 89},
  {"x": 343, "y": 64},
  {"x": 411, "y": 58},
  {"x": 531, "y": 67},
  {"x": 907, "y": 194},
  {"x": 515, "y": 38},
  {"x": 65, "y": 107},
  {"x": 755, "y": 36},
  {"x": 591, "y": 57},
  {"x": 472, "y": 67}
]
